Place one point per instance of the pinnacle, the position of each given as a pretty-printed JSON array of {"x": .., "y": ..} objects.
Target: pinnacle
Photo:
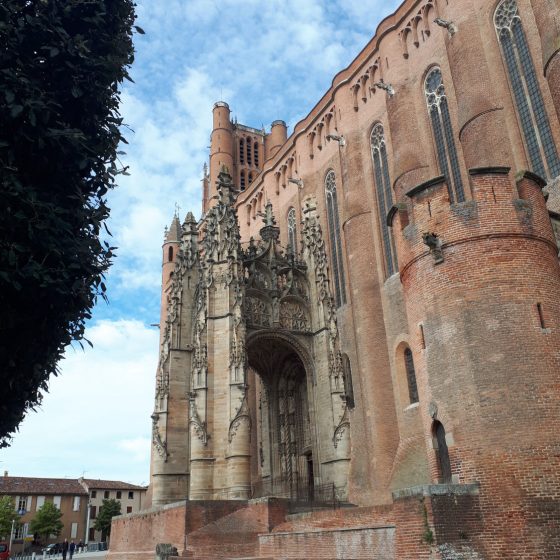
[
  {"x": 190, "y": 219},
  {"x": 174, "y": 233}
]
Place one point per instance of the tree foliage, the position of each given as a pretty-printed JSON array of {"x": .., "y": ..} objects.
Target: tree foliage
[
  {"x": 61, "y": 66},
  {"x": 47, "y": 521},
  {"x": 8, "y": 514},
  {"x": 107, "y": 511}
]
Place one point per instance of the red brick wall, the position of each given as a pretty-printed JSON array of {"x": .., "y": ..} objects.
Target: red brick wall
[
  {"x": 488, "y": 368},
  {"x": 136, "y": 536}
]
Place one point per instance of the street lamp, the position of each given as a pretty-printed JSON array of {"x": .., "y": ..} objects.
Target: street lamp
[{"x": 21, "y": 513}]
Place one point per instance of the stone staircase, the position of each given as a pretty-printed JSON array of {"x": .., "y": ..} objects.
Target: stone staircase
[
  {"x": 265, "y": 531},
  {"x": 236, "y": 535}
]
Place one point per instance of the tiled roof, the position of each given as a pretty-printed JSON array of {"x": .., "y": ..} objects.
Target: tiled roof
[
  {"x": 92, "y": 484},
  {"x": 22, "y": 485}
]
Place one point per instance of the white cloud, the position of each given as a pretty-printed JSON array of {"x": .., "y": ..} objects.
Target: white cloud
[
  {"x": 99, "y": 406},
  {"x": 136, "y": 449}
]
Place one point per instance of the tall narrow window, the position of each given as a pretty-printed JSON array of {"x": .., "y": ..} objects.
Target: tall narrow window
[
  {"x": 384, "y": 194},
  {"x": 241, "y": 151},
  {"x": 248, "y": 143},
  {"x": 348, "y": 386},
  {"x": 170, "y": 254},
  {"x": 256, "y": 153},
  {"x": 334, "y": 237},
  {"x": 410, "y": 376},
  {"x": 22, "y": 503},
  {"x": 537, "y": 135},
  {"x": 442, "y": 452},
  {"x": 443, "y": 134},
  {"x": 292, "y": 236},
  {"x": 242, "y": 180}
]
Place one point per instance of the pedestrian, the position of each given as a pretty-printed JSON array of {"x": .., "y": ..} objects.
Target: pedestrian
[
  {"x": 81, "y": 546},
  {"x": 72, "y": 548},
  {"x": 64, "y": 549}
]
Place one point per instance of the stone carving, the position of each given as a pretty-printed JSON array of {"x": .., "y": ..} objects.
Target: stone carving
[
  {"x": 242, "y": 414},
  {"x": 237, "y": 355},
  {"x": 336, "y": 370},
  {"x": 434, "y": 243},
  {"x": 293, "y": 316},
  {"x": 314, "y": 245},
  {"x": 199, "y": 367},
  {"x": 317, "y": 262},
  {"x": 291, "y": 284},
  {"x": 433, "y": 409},
  {"x": 257, "y": 278},
  {"x": 157, "y": 440},
  {"x": 188, "y": 254},
  {"x": 257, "y": 312},
  {"x": 195, "y": 421},
  {"x": 165, "y": 550},
  {"x": 162, "y": 382},
  {"x": 221, "y": 239},
  {"x": 343, "y": 425}
]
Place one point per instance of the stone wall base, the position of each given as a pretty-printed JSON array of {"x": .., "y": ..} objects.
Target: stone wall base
[{"x": 432, "y": 522}]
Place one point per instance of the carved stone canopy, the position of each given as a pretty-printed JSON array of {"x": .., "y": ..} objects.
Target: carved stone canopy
[{"x": 277, "y": 292}]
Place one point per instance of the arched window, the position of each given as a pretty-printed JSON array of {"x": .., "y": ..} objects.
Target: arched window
[
  {"x": 442, "y": 452},
  {"x": 241, "y": 151},
  {"x": 410, "y": 376},
  {"x": 242, "y": 182},
  {"x": 334, "y": 237},
  {"x": 292, "y": 235},
  {"x": 250, "y": 177},
  {"x": 539, "y": 142},
  {"x": 248, "y": 151},
  {"x": 443, "y": 134},
  {"x": 348, "y": 387},
  {"x": 384, "y": 194},
  {"x": 170, "y": 254},
  {"x": 256, "y": 153}
]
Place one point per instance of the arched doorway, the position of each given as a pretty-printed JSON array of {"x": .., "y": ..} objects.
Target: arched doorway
[{"x": 286, "y": 465}]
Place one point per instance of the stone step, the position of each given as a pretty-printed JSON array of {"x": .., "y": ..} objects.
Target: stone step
[
  {"x": 223, "y": 550},
  {"x": 356, "y": 543}
]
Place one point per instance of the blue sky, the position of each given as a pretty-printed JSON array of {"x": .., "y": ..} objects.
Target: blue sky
[{"x": 269, "y": 59}]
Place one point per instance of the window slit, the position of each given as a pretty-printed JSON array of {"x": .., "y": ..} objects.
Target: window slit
[{"x": 541, "y": 316}]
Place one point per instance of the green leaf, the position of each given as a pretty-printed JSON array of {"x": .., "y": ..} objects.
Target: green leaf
[
  {"x": 139, "y": 30},
  {"x": 16, "y": 110}
]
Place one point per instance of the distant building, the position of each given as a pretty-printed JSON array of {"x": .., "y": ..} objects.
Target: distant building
[
  {"x": 72, "y": 496},
  {"x": 30, "y": 494},
  {"x": 131, "y": 497}
]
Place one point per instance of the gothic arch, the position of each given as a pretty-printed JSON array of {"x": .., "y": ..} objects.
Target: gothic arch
[{"x": 261, "y": 335}]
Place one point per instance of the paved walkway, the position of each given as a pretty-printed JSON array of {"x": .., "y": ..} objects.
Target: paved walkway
[{"x": 98, "y": 554}]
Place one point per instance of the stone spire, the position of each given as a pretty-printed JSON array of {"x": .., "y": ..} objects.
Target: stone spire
[{"x": 174, "y": 231}]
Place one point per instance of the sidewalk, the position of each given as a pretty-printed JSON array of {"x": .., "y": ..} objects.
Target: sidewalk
[{"x": 79, "y": 556}]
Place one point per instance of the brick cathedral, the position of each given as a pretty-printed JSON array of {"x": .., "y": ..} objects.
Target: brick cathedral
[{"x": 360, "y": 337}]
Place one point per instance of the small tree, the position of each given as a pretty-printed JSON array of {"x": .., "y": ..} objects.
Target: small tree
[
  {"x": 107, "y": 511},
  {"x": 8, "y": 515},
  {"x": 47, "y": 521}
]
